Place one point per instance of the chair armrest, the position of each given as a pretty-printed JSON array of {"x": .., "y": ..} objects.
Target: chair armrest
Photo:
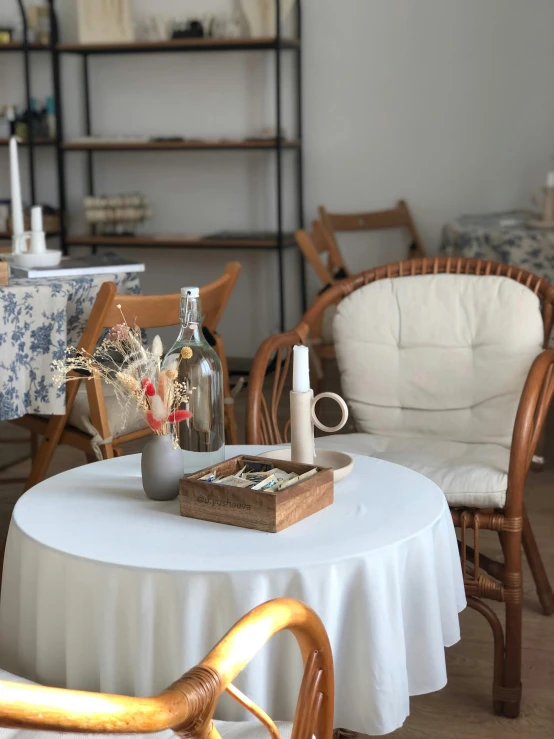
[
  {"x": 531, "y": 415},
  {"x": 187, "y": 706}
]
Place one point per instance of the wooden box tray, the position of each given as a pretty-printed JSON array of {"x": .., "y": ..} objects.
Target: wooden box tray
[{"x": 255, "y": 509}]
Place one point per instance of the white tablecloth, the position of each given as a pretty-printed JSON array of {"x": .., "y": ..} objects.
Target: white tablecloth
[{"x": 106, "y": 590}]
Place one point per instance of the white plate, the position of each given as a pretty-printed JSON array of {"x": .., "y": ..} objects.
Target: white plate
[{"x": 339, "y": 462}]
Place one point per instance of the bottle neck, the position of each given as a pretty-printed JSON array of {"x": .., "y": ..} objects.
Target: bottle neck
[{"x": 191, "y": 320}]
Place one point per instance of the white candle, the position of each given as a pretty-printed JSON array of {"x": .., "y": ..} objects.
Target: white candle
[
  {"x": 301, "y": 369},
  {"x": 550, "y": 179},
  {"x": 38, "y": 240},
  {"x": 17, "y": 210}
]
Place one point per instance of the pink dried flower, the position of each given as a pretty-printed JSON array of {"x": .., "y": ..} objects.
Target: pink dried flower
[{"x": 119, "y": 332}]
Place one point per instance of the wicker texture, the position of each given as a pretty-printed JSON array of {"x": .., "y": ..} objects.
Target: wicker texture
[
  {"x": 188, "y": 705},
  {"x": 483, "y": 577}
]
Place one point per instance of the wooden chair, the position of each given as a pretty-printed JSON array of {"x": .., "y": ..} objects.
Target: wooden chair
[
  {"x": 398, "y": 217},
  {"x": 322, "y": 241},
  {"x": 321, "y": 251},
  {"x": 147, "y": 311},
  {"x": 520, "y": 388},
  {"x": 187, "y": 706}
]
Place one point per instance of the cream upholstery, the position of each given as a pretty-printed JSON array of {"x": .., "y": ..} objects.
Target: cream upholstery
[
  {"x": 327, "y": 324},
  {"x": 432, "y": 367},
  {"x": 80, "y": 414},
  {"x": 227, "y": 729},
  {"x": 474, "y": 475}
]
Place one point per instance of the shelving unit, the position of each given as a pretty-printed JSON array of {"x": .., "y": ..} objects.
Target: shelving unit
[
  {"x": 282, "y": 241},
  {"x": 26, "y": 48}
]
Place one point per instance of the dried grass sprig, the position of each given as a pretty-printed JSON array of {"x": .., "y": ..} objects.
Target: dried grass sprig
[{"x": 135, "y": 373}]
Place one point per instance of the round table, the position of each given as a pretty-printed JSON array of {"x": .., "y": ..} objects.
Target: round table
[{"x": 106, "y": 590}]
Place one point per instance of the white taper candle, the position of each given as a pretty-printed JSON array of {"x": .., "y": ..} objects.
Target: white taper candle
[
  {"x": 301, "y": 369},
  {"x": 17, "y": 210}
]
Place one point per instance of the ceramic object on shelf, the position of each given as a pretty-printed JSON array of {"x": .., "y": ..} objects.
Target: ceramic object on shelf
[
  {"x": 162, "y": 467},
  {"x": 260, "y": 16},
  {"x": 341, "y": 463},
  {"x": 48, "y": 258}
]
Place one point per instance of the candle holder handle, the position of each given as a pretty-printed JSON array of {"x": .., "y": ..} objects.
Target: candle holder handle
[{"x": 342, "y": 405}]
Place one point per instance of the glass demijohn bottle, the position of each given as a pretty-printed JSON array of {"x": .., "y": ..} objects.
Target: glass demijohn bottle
[{"x": 202, "y": 437}]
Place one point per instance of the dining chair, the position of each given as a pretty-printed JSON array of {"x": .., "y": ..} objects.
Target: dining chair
[
  {"x": 320, "y": 249},
  {"x": 93, "y": 421},
  {"x": 443, "y": 368},
  {"x": 398, "y": 217},
  {"x": 187, "y": 706}
]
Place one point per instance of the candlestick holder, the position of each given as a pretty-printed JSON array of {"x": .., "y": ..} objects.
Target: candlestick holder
[{"x": 303, "y": 418}]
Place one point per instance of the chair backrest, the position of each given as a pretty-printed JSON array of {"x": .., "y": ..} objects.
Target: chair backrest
[
  {"x": 397, "y": 217},
  {"x": 159, "y": 311},
  {"x": 445, "y": 354},
  {"x": 314, "y": 246},
  {"x": 439, "y": 355},
  {"x": 188, "y": 705}
]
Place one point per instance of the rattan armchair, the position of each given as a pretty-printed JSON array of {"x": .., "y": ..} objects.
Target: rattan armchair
[
  {"x": 187, "y": 706},
  {"x": 484, "y": 577}
]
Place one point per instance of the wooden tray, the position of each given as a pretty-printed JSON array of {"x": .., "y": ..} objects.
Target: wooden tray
[{"x": 255, "y": 509}]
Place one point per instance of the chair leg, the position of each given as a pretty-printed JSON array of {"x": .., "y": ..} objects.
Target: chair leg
[
  {"x": 513, "y": 596},
  {"x": 34, "y": 446},
  {"x": 46, "y": 450},
  {"x": 544, "y": 589},
  {"x": 51, "y": 439}
]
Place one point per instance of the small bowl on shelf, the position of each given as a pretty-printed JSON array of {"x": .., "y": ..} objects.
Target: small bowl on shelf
[{"x": 48, "y": 258}]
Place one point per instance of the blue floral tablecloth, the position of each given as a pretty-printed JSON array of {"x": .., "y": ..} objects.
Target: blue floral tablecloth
[
  {"x": 502, "y": 237},
  {"x": 38, "y": 320}
]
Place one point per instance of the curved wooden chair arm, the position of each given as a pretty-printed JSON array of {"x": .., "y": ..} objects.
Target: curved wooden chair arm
[
  {"x": 531, "y": 414},
  {"x": 187, "y": 706},
  {"x": 261, "y": 421}
]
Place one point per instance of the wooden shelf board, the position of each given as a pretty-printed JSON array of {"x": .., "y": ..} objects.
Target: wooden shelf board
[
  {"x": 187, "y": 144},
  {"x": 8, "y": 235},
  {"x": 18, "y": 46},
  {"x": 173, "y": 242},
  {"x": 183, "y": 44},
  {"x": 25, "y": 142}
]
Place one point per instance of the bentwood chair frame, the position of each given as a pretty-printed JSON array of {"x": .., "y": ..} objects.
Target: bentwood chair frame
[
  {"x": 187, "y": 706},
  {"x": 146, "y": 311},
  {"x": 484, "y": 577}
]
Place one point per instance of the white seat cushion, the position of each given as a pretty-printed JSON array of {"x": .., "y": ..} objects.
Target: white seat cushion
[
  {"x": 473, "y": 475},
  {"x": 440, "y": 355},
  {"x": 227, "y": 729},
  {"x": 119, "y": 424}
]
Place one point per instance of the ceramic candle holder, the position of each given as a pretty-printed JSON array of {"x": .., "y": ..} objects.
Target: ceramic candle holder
[{"x": 303, "y": 419}]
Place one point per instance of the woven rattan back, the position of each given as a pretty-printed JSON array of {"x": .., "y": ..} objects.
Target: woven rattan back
[
  {"x": 267, "y": 418},
  {"x": 187, "y": 706}
]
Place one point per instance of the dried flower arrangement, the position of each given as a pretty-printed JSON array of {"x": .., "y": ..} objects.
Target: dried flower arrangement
[{"x": 137, "y": 376}]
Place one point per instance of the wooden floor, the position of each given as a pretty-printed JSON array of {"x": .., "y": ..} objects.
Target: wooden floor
[{"x": 463, "y": 708}]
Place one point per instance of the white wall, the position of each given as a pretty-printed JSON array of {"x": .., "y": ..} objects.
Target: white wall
[{"x": 447, "y": 103}]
